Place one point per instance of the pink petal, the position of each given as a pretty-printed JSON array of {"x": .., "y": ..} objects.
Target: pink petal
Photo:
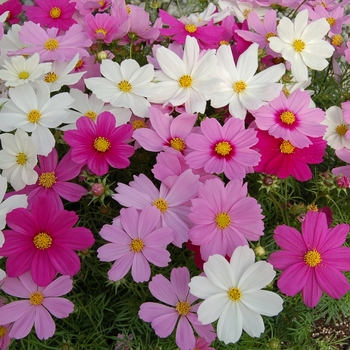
[
  {"x": 311, "y": 291},
  {"x": 65, "y": 261},
  {"x": 23, "y": 325},
  {"x": 149, "y": 217},
  {"x": 43, "y": 270},
  {"x": 44, "y": 325},
  {"x": 165, "y": 324},
  {"x": 149, "y": 311},
  {"x": 14, "y": 311},
  {"x": 129, "y": 219},
  {"x": 184, "y": 334},
  {"x": 121, "y": 267},
  {"x": 60, "y": 286},
  {"x": 294, "y": 278},
  {"x": 59, "y": 307},
  {"x": 162, "y": 289},
  {"x": 179, "y": 279},
  {"x": 140, "y": 269},
  {"x": 13, "y": 286}
]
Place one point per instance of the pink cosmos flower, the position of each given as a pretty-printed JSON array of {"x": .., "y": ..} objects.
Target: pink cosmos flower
[
  {"x": 15, "y": 9},
  {"x": 280, "y": 157},
  {"x": 344, "y": 155},
  {"x": 52, "y": 46},
  {"x": 88, "y": 6},
  {"x": 53, "y": 180},
  {"x": 51, "y": 13},
  {"x": 312, "y": 262},
  {"x": 291, "y": 118},
  {"x": 134, "y": 242},
  {"x": 99, "y": 144},
  {"x": 181, "y": 311},
  {"x": 220, "y": 220},
  {"x": 43, "y": 241},
  {"x": 38, "y": 304},
  {"x": 168, "y": 134},
  {"x": 223, "y": 149},
  {"x": 173, "y": 203},
  {"x": 202, "y": 344},
  {"x": 4, "y": 329}
]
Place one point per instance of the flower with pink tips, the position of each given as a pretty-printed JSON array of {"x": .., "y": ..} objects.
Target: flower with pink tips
[
  {"x": 43, "y": 241},
  {"x": 291, "y": 119},
  {"x": 134, "y": 243},
  {"x": 223, "y": 149},
  {"x": 37, "y": 305},
  {"x": 172, "y": 203},
  {"x": 51, "y": 13},
  {"x": 220, "y": 222},
  {"x": 312, "y": 262},
  {"x": 100, "y": 144},
  {"x": 163, "y": 318}
]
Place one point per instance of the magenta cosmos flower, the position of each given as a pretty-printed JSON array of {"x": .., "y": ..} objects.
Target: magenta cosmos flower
[
  {"x": 38, "y": 304},
  {"x": 223, "y": 149},
  {"x": 172, "y": 203},
  {"x": 280, "y": 157},
  {"x": 53, "y": 180},
  {"x": 181, "y": 311},
  {"x": 291, "y": 119},
  {"x": 99, "y": 144},
  {"x": 51, "y": 13},
  {"x": 43, "y": 241},
  {"x": 134, "y": 242},
  {"x": 312, "y": 262},
  {"x": 220, "y": 218}
]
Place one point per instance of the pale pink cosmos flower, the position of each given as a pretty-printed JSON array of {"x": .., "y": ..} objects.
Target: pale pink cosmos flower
[
  {"x": 173, "y": 203},
  {"x": 134, "y": 243},
  {"x": 291, "y": 119},
  {"x": 4, "y": 329},
  {"x": 223, "y": 149},
  {"x": 181, "y": 311},
  {"x": 38, "y": 304}
]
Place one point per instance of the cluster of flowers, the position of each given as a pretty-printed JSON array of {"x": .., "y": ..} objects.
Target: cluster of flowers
[{"x": 252, "y": 73}]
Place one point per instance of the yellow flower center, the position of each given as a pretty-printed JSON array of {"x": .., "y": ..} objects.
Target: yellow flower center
[
  {"x": 235, "y": 294},
  {"x": 101, "y": 30},
  {"x": 47, "y": 179},
  {"x": 285, "y": 91},
  {"x": 51, "y": 77},
  {"x": 79, "y": 64},
  {"x": 224, "y": 42},
  {"x": 21, "y": 158},
  {"x": 183, "y": 308},
  {"x": 298, "y": 45},
  {"x": 239, "y": 86},
  {"x": 178, "y": 144},
  {"x": 91, "y": 114},
  {"x": 341, "y": 129},
  {"x": 42, "y": 241},
  {"x": 55, "y": 12},
  {"x": 102, "y": 2},
  {"x": 337, "y": 40},
  {"x": 223, "y": 148},
  {"x": 3, "y": 331},
  {"x": 269, "y": 35},
  {"x": 287, "y": 117},
  {"x": 312, "y": 207},
  {"x": 137, "y": 245},
  {"x": 23, "y": 75},
  {"x": 161, "y": 204},
  {"x": 286, "y": 147},
  {"x": 101, "y": 144},
  {"x": 185, "y": 81},
  {"x": 246, "y": 12},
  {"x": 125, "y": 86},
  {"x": 191, "y": 28},
  {"x": 34, "y": 116},
  {"x": 36, "y": 298},
  {"x": 138, "y": 124},
  {"x": 128, "y": 9},
  {"x": 312, "y": 258},
  {"x": 51, "y": 44},
  {"x": 331, "y": 21},
  {"x": 222, "y": 220}
]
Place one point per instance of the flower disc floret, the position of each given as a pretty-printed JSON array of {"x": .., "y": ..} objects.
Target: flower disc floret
[
  {"x": 178, "y": 144},
  {"x": 240, "y": 86},
  {"x": 286, "y": 147},
  {"x": 287, "y": 117},
  {"x": 36, "y": 298},
  {"x": 101, "y": 144},
  {"x": 137, "y": 245},
  {"x": 91, "y": 114},
  {"x": 3, "y": 331},
  {"x": 161, "y": 204},
  {"x": 191, "y": 28},
  {"x": 55, "y": 12},
  {"x": 312, "y": 258},
  {"x": 42, "y": 241},
  {"x": 47, "y": 179},
  {"x": 21, "y": 158},
  {"x": 125, "y": 86},
  {"x": 34, "y": 116},
  {"x": 298, "y": 45},
  {"x": 50, "y": 77},
  {"x": 234, "y": 294},
  {"x": 341, "y": 129},
  {"x": 223, "y": 148},
  {"x": 222, "y": 220},
  {"x": 51, "y": 44},
  {"x": 23, "y": 75},
  {"x": 183, "y": 307},
  {"x": 185, "y": 81}
]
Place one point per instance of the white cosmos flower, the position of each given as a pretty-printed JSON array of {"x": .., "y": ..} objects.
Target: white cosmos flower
[
  {"x": 241, "y": 88},
  {"x": 21, "y": 70},
  {"x": 302, "y": 44},
  {"x": 188, "y": 80},
  {"x": 18, "y": 158},
  {"x": 336, "y": 128},
  {"x": 33, "y": 110},
  {"x": 232, "y": 293},
  {"x": 126, "y": 85},
  {"x": 91, "y": 106},
  {"x": 241, "y": 9}
]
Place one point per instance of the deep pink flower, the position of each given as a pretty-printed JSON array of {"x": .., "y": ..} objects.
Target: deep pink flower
[
  {"x": 134, "y": 242},
  {"x": 100, "y": 143},
  {"x": 280, "y": 157},
  {"x": 291, "y": 119},
  {"x": 312, "y": 262},
  {"x": 53, "y": 180},
  {"x": 15, "y": 9},
  {"x": 51, "y": 13},
  {"x": 181, "y": 311},
  {"x": 43, "y": 241},
  {"x": 38, "y": 304},
  {"x": 223, "y": 149},
  {"x": 220, "y": 222}
]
